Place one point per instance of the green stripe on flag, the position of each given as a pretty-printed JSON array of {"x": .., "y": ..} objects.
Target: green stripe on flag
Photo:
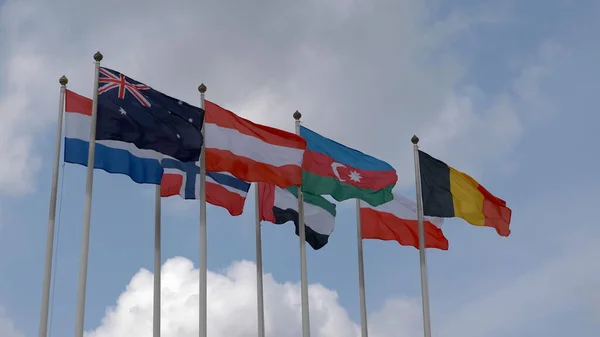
[
  {"x": 319, "y": 185},
  {"x": 316, "y": 200}
]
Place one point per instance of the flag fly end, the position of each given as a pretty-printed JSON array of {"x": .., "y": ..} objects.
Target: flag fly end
[
  {"x": 297, "y": 115},
  {"x": 63, "y": 80},
  {"x": 202, "y": 88},
  {"x": 415, "y": 139},
  {"x": 98, "y": 56}
]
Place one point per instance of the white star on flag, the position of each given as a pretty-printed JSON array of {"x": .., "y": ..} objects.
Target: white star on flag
[{"x": 355, "y": 176}]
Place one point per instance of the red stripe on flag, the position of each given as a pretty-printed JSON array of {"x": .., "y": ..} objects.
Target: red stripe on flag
[
  {"x": 220, "y": 196},
  {"x": 249, "y": 170},
  {"x": 78, "y": 104},
  {"x": 216, "y": 194},
  {"x": 321, "y": 165},
  {"x": 170, "y": 184},
  {"x": 388, "y": 227},
  {"x": 496, "y": 214},
  {"x": 224, "y": 118},
  {"x": 266, "y": 197}
]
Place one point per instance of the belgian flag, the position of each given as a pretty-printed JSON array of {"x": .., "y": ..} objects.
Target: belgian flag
[{"x": 449, "y": 193}]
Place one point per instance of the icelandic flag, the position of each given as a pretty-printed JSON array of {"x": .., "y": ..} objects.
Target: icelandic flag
[
  {"x": 135, "y": 130},
  {"x": 222, "y": 188}
]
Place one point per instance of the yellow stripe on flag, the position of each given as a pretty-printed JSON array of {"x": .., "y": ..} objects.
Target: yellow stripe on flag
[{"x": 467, "y": 199}]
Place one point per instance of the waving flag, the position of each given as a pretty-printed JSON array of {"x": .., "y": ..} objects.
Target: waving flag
[
  {"x": 449, "y": 193},
  {"x": 222, "y": 189},
  {"x": 344, "y": 173},
  {"x": 112, "y": 156},
  {"x": 132, "y": 112},
  {"x": 136, "y": 128},
  {"x": 278, "y": 206},
  {"x": 396, "y": 220},
  {"x": 250, "y": 151}
]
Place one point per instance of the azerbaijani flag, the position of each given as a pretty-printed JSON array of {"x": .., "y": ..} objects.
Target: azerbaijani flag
[{"x": 330, "y": 168}]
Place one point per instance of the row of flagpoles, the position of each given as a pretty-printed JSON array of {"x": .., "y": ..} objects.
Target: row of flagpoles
[{"x": 82, "y": 280}]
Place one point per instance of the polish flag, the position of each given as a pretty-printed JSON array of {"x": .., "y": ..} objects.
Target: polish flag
[
  {"x": 250, "y": 151},
  {"x": 396, "y": 220}
]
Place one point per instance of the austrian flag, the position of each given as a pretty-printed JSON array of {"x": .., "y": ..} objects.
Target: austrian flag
[{"x": 250, "y": 151}]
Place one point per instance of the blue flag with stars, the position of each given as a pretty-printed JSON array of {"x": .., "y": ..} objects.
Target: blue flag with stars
[{"x": 132, "y": 112}]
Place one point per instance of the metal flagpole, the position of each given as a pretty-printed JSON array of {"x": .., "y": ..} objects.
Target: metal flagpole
[
  {"x": 203, "y": 260},
  {"x": 87, "y": 212},
  {"x": 302, "y": 234},
  {"x": 260, "y": 306},
  {"x": 364, "y": 332},
  {"x": 43, "y": 329},
  {"x": 157, "y": 264},
  {"x": 424, "y": 283}
]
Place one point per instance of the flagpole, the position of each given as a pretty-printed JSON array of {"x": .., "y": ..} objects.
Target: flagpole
[
  {"x": 202, "y": 296},
  {"x": 301, "y": 231},
  {"x": 87, "y": 212},
  {"x": 157, "y": 263},
  {"x": 43, "y": 329},
  {"x": 260, "y": 306},
  {"x": 424, "y": 282},
  {"x": 361, "y": 274}
]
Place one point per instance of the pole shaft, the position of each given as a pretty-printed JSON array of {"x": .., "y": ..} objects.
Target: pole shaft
[
  {"x": 423, "y": 261},
  {"x": 87, "y": 214},
  {"x": 203, "y": 251},
  {"x": 361, "y": 274},
  {"x": 157, "y": 264},
  {"x": 303, "y": 268},
  {"x": 45, "y": 306},
  {"x": 259, "y": 268}
]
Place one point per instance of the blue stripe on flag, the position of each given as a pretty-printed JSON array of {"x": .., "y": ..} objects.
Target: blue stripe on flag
[
  {"x": 111, "y": 160},
  {"x": 228, "y": 180},
  {"x": 341, "y": 153},
  {"x": 190, "y": 169}
]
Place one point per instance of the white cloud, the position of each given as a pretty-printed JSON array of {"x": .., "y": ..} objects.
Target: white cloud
[
  {"x": 562, "y": 283},
  {"x": 381, "y": 70},
  {"x": 232, "y": 307},
  {"x": 7, "y": 327}
]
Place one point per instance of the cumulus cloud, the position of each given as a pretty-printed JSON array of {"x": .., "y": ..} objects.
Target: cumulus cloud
[
  {"x": 7, "y": 328},
  {"x": 563, "y": 282},
  {"x": 366, "y": 74},
  {"x": 232, "y": 307}
]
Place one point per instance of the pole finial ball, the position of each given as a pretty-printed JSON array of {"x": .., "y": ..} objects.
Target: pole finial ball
[
  {"x": 297, "y": 115},
  {"x": 63, "y": 80},
  {"x": 414, "y": 140},
  {"x": 202, "y": 88},
  {"x": 98, "y": 56}
]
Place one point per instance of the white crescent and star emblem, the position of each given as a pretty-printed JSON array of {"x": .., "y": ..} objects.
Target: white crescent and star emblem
[
  {"x": 353, "y": 175},
  {"x": 334, "y": 167}
]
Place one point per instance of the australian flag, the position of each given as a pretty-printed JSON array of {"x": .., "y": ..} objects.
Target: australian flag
[{"x": 132, "y": 112}]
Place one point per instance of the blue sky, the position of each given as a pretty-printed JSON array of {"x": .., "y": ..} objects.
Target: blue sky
[{"x": 504, "y": 90}]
